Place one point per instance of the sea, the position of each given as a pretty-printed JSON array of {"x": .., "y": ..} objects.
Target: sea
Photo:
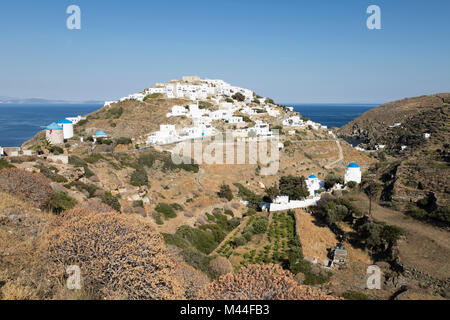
[
  {"x": 19, "y": 123},
  {"x": 332, "y": 115}
]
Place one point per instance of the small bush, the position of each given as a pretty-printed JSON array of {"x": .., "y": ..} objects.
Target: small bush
[
  {"x": 61, "y": 201},
  {"x": 177, "y": 206},
  {"x": 139, "y": 178},
  {"x": 225, "y": 192},
  {"x": 166, "y": 210},
  {"x": 34, "y": 187},
  {"x": 138, "y": 204},
  {"x": 220, "y": 266},
  {"x": 353, "y": 295},
  {"x": 111, "y": 201},
  {"x": 5, "y": 164},
  {"x": 124, "y": 140}
]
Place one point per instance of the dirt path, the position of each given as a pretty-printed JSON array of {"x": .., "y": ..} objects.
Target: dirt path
[
  {"x": 341, "y": 157},
  {"x": 426, "y": 248}
]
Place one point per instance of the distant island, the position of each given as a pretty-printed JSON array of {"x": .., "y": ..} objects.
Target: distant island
[{"x": 10, "y": 100}]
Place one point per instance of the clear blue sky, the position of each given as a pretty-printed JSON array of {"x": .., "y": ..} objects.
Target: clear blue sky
[{"x": 292, "y": 51}]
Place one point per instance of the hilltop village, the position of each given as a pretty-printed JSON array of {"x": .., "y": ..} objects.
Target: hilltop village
[{"x": 312, "y": 216}]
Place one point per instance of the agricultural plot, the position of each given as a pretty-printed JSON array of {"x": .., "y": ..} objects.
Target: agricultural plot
[{"x": 262, "y": 240}]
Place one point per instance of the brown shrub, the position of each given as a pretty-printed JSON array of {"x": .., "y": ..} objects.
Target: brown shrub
[
  {"x": 34, "y": 187},
  {"x": 95, "y": 205},
  {"x": 260, "y": 282},
  {"x": 119, "y": 256},
  {"x": 193, "y": 279},
  {"x": 220, "y": 266}
]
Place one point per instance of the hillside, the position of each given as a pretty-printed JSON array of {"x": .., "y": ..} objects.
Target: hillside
[
  {"x": 412, "y": 137},
  {"x": 207, "y": 214}
]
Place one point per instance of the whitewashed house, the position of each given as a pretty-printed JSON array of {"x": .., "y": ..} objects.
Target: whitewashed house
[
  {"x": 2, "y": 152},
  {"x": 352, "y": 173},
  {"x": 294, "y": 121},
  {"x": 177, "y": 111},
  {"x": 314, "y": 184},
  {"x": 426, "y": 135},
  {"x": 67, "y": 126},
  {"x": 235, "y": 120},
  {"x": 166, "y": 134},
  {"x": 76, "y": 119}
]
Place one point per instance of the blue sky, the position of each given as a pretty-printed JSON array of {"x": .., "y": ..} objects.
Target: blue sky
[{"x": 292, "y": 51}]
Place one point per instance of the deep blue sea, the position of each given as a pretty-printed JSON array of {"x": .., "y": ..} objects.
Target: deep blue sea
[
  {"x": 332, "y": 115},
  {"x": 19, "y": 123}
]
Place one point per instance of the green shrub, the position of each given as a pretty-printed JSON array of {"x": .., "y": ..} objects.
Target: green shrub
[
  {"x": 51, "y": 174},
  {"x": 61, "y": 201},
  {"x": 138, "y": 204},
  {"x": 177, "y": 206},
  {"x": 114, "y": 112},
  {"x": 112, "y": 201},
  {"x": 351, "y": 184},
  {"x": 94, "y": 158},
  {"x": 229, "y": 212},
  {"x": 166, "y": 210},
  {"x": 225, "y": 192},
  {"x": 139, "y": 178},
  {"x": 353, "y": 295},
  {"x": 56, "y": 150},
  {"x": 5, "y": 164},
  {"x": 124, "y": 140},
  {"x": 239, "y": 241},
  {"x": 260, "y": 225},
  {"x": 153, "y": 96}
]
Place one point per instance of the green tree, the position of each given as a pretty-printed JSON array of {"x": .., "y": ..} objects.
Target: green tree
[
  {"x": 225, "y": 192},
  {"x": 238, "y": 96},
  {"x": 294, "y": 187}
]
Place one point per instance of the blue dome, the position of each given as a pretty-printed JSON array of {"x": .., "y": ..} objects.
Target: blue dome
[
  {"x": 64, "y": 121},
  {"x": 353, "y": 165},
  {"x": 53, "y": 126},
  {"x": 100, "y": 134},
  {"x": 312, "y": 176}
]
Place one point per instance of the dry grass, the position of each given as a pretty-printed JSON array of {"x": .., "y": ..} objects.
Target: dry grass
[{"x": 316, "y": 239}]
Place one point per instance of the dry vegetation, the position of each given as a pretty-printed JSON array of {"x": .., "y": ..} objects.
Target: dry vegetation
[
  {"x": 33, "y": 187},
  {"x": 119, "y": 256},
  {"x": 260, "y": 282}
]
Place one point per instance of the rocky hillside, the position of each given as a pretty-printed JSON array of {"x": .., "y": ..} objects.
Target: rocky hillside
[
  {"x": 403, "y": 123},
  {"x": 414, "y": 167}
]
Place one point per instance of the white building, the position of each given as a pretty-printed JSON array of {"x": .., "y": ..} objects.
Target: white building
[
  {"x": 294, "y": 121},
  {"x": 75, "y": 120},
  {"x": 313, "y": 183},
  {"x": 235, "y": 120},
  {"x": 67, "y": 126},
  {"x": 426, "y": 135},
  {"x": 2, "y": 152},
  {"x": 352, "y": 173},
  {"x": 54, "y": 134},
  {"x": 177, "y": 111},
  {"x": 166, "y": 134},
  {"x": 380, "y": 147}
]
